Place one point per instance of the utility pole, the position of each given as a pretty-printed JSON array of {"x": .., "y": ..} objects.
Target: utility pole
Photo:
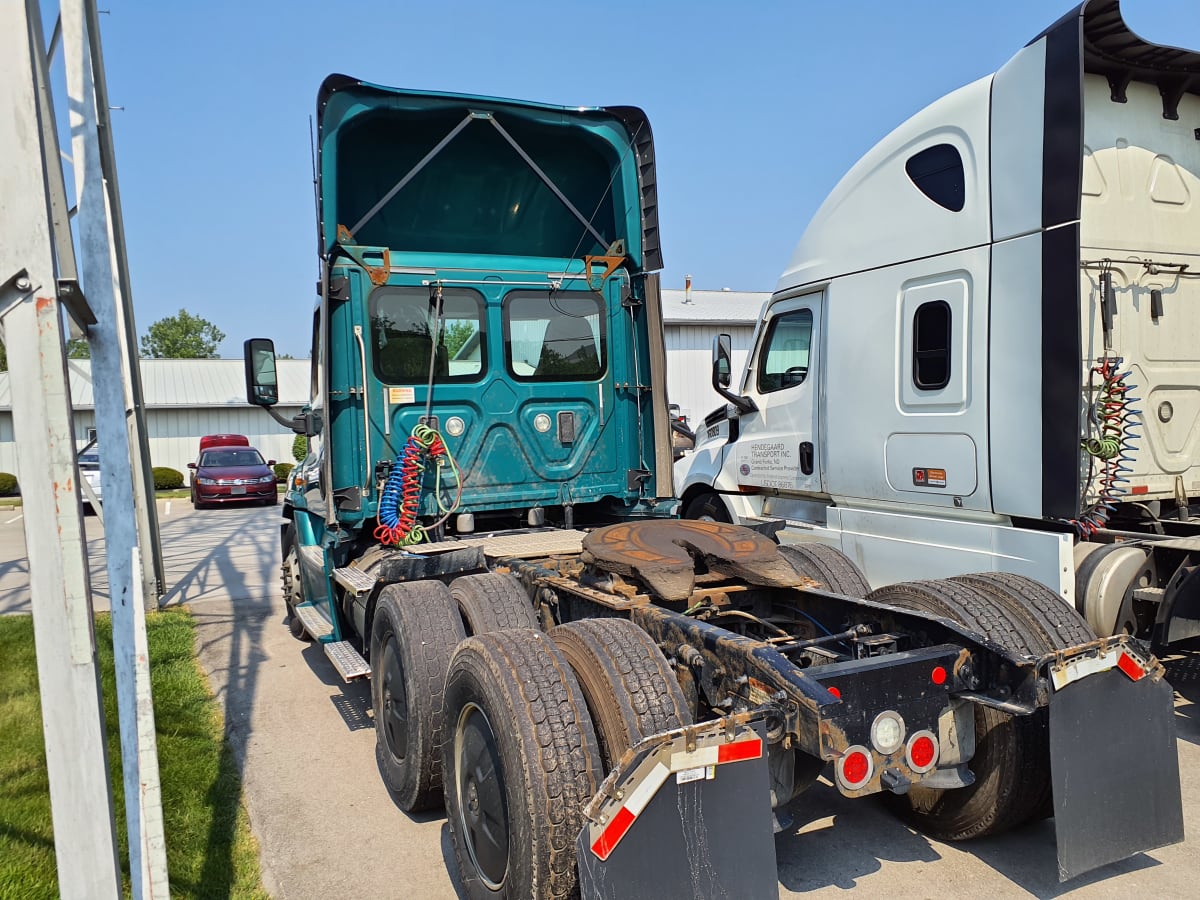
[
  {"x": 37, "y": 258},
  {"x": 121, "y": 472},
  {"x": 101, "y": 229},
  {"x": 30, "y": 309}
]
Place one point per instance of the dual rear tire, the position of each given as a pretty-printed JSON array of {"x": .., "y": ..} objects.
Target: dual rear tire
[
  {"x": 536, "y": 722},
  {"x": 1011, "y": 764},
  {"x": 498, "y": 725}
]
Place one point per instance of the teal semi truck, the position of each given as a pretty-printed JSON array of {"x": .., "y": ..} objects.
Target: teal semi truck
[{"x": 607, "y": 699}]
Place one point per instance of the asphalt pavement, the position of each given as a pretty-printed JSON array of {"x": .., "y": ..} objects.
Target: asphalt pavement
[{"x": 326, "y": 825}]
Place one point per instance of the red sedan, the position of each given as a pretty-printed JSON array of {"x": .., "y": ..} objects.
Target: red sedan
[{"x": 230, "y": 475}]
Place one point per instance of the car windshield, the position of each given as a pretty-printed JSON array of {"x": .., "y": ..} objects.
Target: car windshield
[
  {"x": 230, "y": 458},
  {"x": 89, "y": 461}
]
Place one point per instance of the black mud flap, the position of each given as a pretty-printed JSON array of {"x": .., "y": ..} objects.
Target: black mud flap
[
  {"x": 669, "y": 822},
  {"x": 1114, "y": 768}
]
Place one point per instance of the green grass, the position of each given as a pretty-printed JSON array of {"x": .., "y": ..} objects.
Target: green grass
[{"x": 210, "y": 851}]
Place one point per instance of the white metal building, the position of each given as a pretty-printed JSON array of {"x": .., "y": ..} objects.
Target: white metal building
[
  {"x": 691, "y": 320},
  {"x": 188, "y": 398},
  {"x": 185, "y": 399}
]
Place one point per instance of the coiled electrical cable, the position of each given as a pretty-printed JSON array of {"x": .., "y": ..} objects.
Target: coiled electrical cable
[
  {"x": 400, "y": 500},
  {"x": 1113, "y": 420}
]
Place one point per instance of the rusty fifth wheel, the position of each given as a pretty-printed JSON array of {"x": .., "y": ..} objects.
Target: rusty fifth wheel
[{"x": 663, "y": 554}]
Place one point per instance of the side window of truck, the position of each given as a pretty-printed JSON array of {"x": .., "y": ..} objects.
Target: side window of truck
[
  {"x": 784, "y": 359},
  {"x": 931, "y": 345},
  {"x": 554, "y": 336},
  {"x": 402, "y": 328}
]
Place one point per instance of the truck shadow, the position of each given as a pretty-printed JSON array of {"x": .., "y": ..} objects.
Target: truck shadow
[
  {"x": 1183, "y": 674},
  {"x": 201, "y": 565},
  {"x": 835, "y": 842}
]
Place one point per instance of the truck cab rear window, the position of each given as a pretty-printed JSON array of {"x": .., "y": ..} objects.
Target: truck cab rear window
[
  {"x": 554, "y": 336},
  {"x": 402, "y": 328},
  {"x": 784, "y": 360}
]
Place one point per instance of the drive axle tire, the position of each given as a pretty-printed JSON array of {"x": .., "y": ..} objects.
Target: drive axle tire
[
  {"x": 832, "y": 568},
  {"x": 1012, "y": 760},
  {"x": 493, "y": 602},
  {"x": 708, "y": 507},
  {"x": 521, "y": 762},
  {"x": 413, "y": 636},
  {"x": 630, "y": 689}
]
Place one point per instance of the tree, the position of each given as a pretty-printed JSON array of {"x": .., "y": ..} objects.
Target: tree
[
  {"x": 78, "y": 349},
  {"x": 182, "y": 336},
  {"x": 457, "y": 333},
  {"x": 300, "y": 448},
  {"x": 3, "y": 358}
]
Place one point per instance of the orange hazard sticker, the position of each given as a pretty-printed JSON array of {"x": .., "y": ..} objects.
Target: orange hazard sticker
[{"x": 929, "y": 477}]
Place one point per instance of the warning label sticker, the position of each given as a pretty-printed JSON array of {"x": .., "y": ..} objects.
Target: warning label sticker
[
  {"x": 929, "y": 477},
  {"x": 400, "y": 395}
]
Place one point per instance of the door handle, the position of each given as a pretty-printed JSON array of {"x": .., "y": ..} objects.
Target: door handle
[{"x": 806, "y": 457}]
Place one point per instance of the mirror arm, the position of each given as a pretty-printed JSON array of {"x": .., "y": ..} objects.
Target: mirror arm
[
  {"x": 744, "y": 405},
  {"x": 297, "y": 423}
]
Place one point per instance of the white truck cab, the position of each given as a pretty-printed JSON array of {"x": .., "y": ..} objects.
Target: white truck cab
[{"x": 986, "y": 346}]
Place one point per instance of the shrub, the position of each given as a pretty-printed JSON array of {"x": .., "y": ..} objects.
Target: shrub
[
  {"x": 282, "y": 471},
  {"x": 8, "y": 484},
  {"x": 300, "y": 448},
  {"x": 167, "y": 479}
]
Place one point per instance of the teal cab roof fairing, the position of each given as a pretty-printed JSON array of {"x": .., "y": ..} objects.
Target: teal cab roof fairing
[{"x": 427, "y": 172}]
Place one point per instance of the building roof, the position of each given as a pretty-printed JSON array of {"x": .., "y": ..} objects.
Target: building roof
[
  {"x": 712, "y": 307},
  {"x": 185, "y": 383}
]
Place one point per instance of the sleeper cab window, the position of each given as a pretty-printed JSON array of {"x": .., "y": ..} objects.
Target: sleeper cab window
[
  {"x": 403, "y": 325},
  {"x": 938, "y": 173},
  {"x": 784, "y": 361},
  {"x": 932, "y": 330},
  {"x": 554, "y": 335}
]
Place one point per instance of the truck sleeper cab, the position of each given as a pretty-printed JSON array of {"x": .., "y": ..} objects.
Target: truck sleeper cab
[
  {"x": 484, "y": 529},
  {"x": 985, "y": 344}
]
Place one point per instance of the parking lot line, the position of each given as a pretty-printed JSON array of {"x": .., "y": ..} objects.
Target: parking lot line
[{"x": 17, "y": 519}]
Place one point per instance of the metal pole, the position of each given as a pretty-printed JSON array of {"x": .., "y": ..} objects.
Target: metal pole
[
  {"x": 153, "y": 577},
  {"x": 72, "y": 711},
  {"x": 139, "y": 748}
]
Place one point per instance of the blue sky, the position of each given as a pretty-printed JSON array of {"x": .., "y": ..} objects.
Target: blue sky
[{"x": 758, "y": 109}]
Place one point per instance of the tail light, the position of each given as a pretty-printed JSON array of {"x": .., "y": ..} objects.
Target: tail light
[
  {"x": 922, "y": 751},
  {"x": 855, "y": 768}
]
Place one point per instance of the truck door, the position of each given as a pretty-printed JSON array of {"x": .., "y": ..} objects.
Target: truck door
[{"x": 777, "y": 447}]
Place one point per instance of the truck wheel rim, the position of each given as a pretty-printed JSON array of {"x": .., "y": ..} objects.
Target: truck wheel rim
[
  {"x": 395, "y": 701},
  {"x": 482, "y": 805}
]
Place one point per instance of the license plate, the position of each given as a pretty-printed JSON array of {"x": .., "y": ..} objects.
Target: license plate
[{"x": 238, "y": 489}]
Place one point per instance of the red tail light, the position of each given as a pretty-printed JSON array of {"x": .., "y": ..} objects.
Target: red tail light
[
  {"x": 855, "y": 768},
  {"x": 922, "y": 751}
]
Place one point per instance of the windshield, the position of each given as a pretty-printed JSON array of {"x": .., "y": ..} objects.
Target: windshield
[{"x": 231, "y": 458}]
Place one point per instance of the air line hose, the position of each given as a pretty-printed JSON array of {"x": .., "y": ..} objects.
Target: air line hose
[
  {"x": 400, "y": 501},
  {"x": 1111, "y": 440}
]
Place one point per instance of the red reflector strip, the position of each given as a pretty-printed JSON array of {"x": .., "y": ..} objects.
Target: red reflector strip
[
  {"x": 611, "y": 836},
  {"x": 1140, "y": 489},
  {"x": 1130, "y": 667},
  {"x": 739, "y": 750}
]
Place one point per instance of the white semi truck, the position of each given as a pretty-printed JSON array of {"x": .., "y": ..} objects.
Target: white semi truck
[{"x": 984, "y": 354}]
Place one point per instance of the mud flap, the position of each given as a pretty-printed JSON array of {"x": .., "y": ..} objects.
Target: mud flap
[
  {"x": 1114, "y": 769},
  {"x": 686, "y": 815}
]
